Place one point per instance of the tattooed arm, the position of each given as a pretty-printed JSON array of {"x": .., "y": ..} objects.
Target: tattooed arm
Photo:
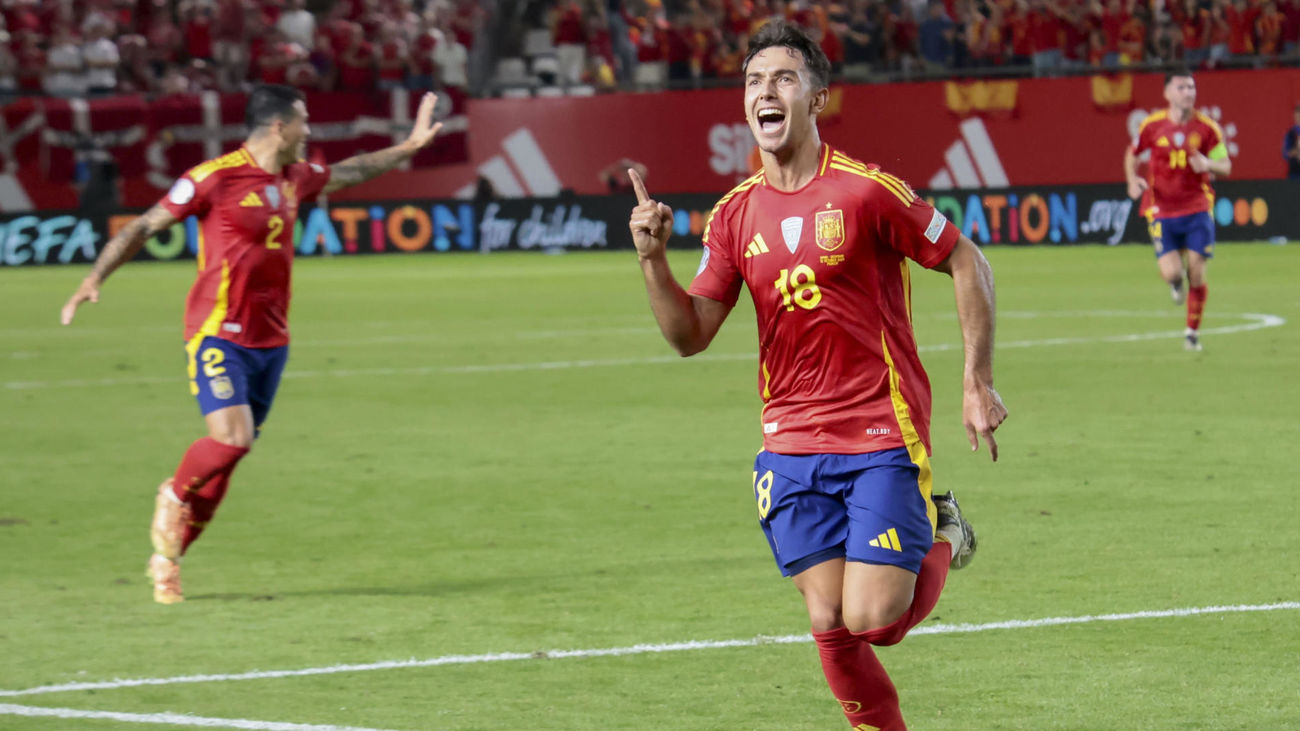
[
  {"x": 361, "y": 168},
  {"x": 119, "y": 250}
]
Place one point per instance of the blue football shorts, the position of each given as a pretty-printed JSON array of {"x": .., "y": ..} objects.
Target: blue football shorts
[
  {"x": 1193, "y": 232},
  {"x": 225, "y": 374},
  {"x": 874, "y": 508}
]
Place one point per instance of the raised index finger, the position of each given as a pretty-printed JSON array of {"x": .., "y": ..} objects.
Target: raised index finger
[{"x": 638, "y": 185}]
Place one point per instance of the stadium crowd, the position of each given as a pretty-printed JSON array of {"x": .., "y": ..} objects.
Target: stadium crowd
[
  {"x": 89, "y": 47},
  {"x": 676, "y": 40}
]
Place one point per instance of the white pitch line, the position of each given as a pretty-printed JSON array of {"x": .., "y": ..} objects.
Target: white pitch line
[
  {"x": 1256, "y": 322},
  {"x": 169, "y": 719},
  {"x": 642, "y": 649}
]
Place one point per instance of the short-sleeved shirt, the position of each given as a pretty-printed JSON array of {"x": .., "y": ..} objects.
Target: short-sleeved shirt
[
  {"x": 245, "y": 250},
  {"x": 827, "y": 268},
  {"x": 1174, "y": 189}
]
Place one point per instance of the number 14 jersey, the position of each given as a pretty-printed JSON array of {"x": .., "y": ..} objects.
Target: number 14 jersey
[{"x": 826, "y": 267}]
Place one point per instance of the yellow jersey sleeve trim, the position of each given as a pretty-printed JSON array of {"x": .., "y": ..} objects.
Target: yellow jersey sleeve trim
[
  {"x": 753, "y": 180},
  {"x": 235, "y": 159}
]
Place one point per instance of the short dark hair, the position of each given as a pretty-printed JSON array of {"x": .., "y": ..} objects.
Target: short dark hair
[
  {"x": 1177, "y": 74},
  {"x": 269, "y": 102},
  {"x": 781, "y": 33}
]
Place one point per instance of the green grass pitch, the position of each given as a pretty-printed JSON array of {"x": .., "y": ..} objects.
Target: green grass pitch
[{"x": 498, "y": 454}]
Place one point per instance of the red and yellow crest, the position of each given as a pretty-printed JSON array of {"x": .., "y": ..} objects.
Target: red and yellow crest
[{"x": 830, "y": 229}]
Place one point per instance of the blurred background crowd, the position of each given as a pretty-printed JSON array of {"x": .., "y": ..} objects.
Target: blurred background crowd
[{"x": 488, "y": 47}]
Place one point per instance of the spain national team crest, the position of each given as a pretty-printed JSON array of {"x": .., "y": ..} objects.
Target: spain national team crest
[
  {"x": 1194, "y": 140},
  {"x": 830, "y": 229},
  {"x": 222, "y": 388},
  {"x": 273, "y": 196}
]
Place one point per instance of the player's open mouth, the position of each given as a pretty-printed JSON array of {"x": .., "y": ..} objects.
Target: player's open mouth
[{"x": 770, "y": 120}]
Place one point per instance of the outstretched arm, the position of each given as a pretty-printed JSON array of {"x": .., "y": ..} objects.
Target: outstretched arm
[
  {"x": 972, "y": 278},
  {"x": 360, "y": 168},
  {"x": 119, "y": 250},
  {"x": 687, "y": 322}
]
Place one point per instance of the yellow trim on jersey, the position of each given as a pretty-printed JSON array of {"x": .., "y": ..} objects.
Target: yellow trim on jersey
[
  {"x": 1152, "y": 117},
  {"x": 826, "y": 158},
  {"x": 210, "y": 326},
  {"x": 234, "y": 159},
  {"x": 746, "y": 185},
  {"x": 202, "y": 253},
  {"x": 911, "y": 438},
  {"x": 895, "y": 185},
  {"x": 907, "y": 288},
  {"x": 767, "y": 382}
]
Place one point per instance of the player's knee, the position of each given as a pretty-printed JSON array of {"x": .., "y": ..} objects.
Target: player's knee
[
  {"x": 234, "y": 437},
  {"x": 823, "y": 611},
  {"x": 875, "y": 613}
]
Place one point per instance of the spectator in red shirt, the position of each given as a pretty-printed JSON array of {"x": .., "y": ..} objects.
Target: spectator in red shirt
[
  {"x": 1194, "y": 25},
  {"x": 31, "y": 62},
  {"x": 164, "y": 44},
  {"x": 1016, "y": 31},
  {"x": 196, "y": 22},
  {"x": 229, "y": 38},
  {"x": 392, "y": 58},
  {"x": 1241, "y": 28},
  {"x": 1045, "y": 42},
  {"x": 274, "y": 58},
  {"x": 569, "y": 36},
  {"x": 1132, "y": 41},
  {"x": 1269, "y": 29},
  {"x": 422, "y": 68},
  {"x": 356, "y": 63},
  {"x": 324, "y": 60},
  {"x": 136, "y": 74},
  {"x": 681, "y": 39}
]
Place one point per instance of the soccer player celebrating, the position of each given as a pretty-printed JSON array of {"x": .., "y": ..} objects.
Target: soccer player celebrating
[
  {"x": 1186, "y": 147},
  {"x": 843, "y": 485},
  {"x": 236, "y": 316}
]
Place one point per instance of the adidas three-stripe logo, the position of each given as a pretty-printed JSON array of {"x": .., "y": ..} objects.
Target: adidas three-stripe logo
[
  {"x": 251, "y": 200},
  {"x": 756, "y": 246},
  {"x": 888, "y": 539}
]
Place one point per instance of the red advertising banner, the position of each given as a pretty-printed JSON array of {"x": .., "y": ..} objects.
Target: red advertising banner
[
  {"x": 152, "y": 142},
  {"x": 937, "y": 135},
  {"x": 934, "y": 134}
]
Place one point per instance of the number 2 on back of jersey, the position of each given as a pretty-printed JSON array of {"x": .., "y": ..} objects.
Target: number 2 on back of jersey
[
  {"x": 799, "y": 287},
  {"x": 276, "y": 224}
]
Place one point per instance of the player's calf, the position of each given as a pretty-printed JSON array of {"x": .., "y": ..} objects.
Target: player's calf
[{"x": 170, "y": 517}]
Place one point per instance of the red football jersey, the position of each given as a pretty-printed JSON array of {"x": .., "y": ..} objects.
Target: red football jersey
[
  {"x": 1174, "y": 189},
  {"x": 826, "y": 267},
  {"x": 246, "y": 223}
]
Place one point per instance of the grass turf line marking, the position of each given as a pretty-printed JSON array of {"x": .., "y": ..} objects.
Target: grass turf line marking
[
  {"x": 169, "y": 719},
  {"x": 1256, "y": 322},
  {"x": 642, "y": 649}
]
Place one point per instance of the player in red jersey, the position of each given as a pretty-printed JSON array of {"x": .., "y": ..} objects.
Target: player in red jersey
[
  {"x": 236, "y": 316},
  {"x": 843, "y": 485},
  {"x": 1186, "y": 148}
]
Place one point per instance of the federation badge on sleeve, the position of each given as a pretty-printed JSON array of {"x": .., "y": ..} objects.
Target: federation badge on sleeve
[
  {"x": 830, "y": 229},
  {"x": 704, "y": 262},
  {"x": 936, "y": 227},
  {"x": 182, "y": 192},
  {"x": 221, "y": 387}
]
